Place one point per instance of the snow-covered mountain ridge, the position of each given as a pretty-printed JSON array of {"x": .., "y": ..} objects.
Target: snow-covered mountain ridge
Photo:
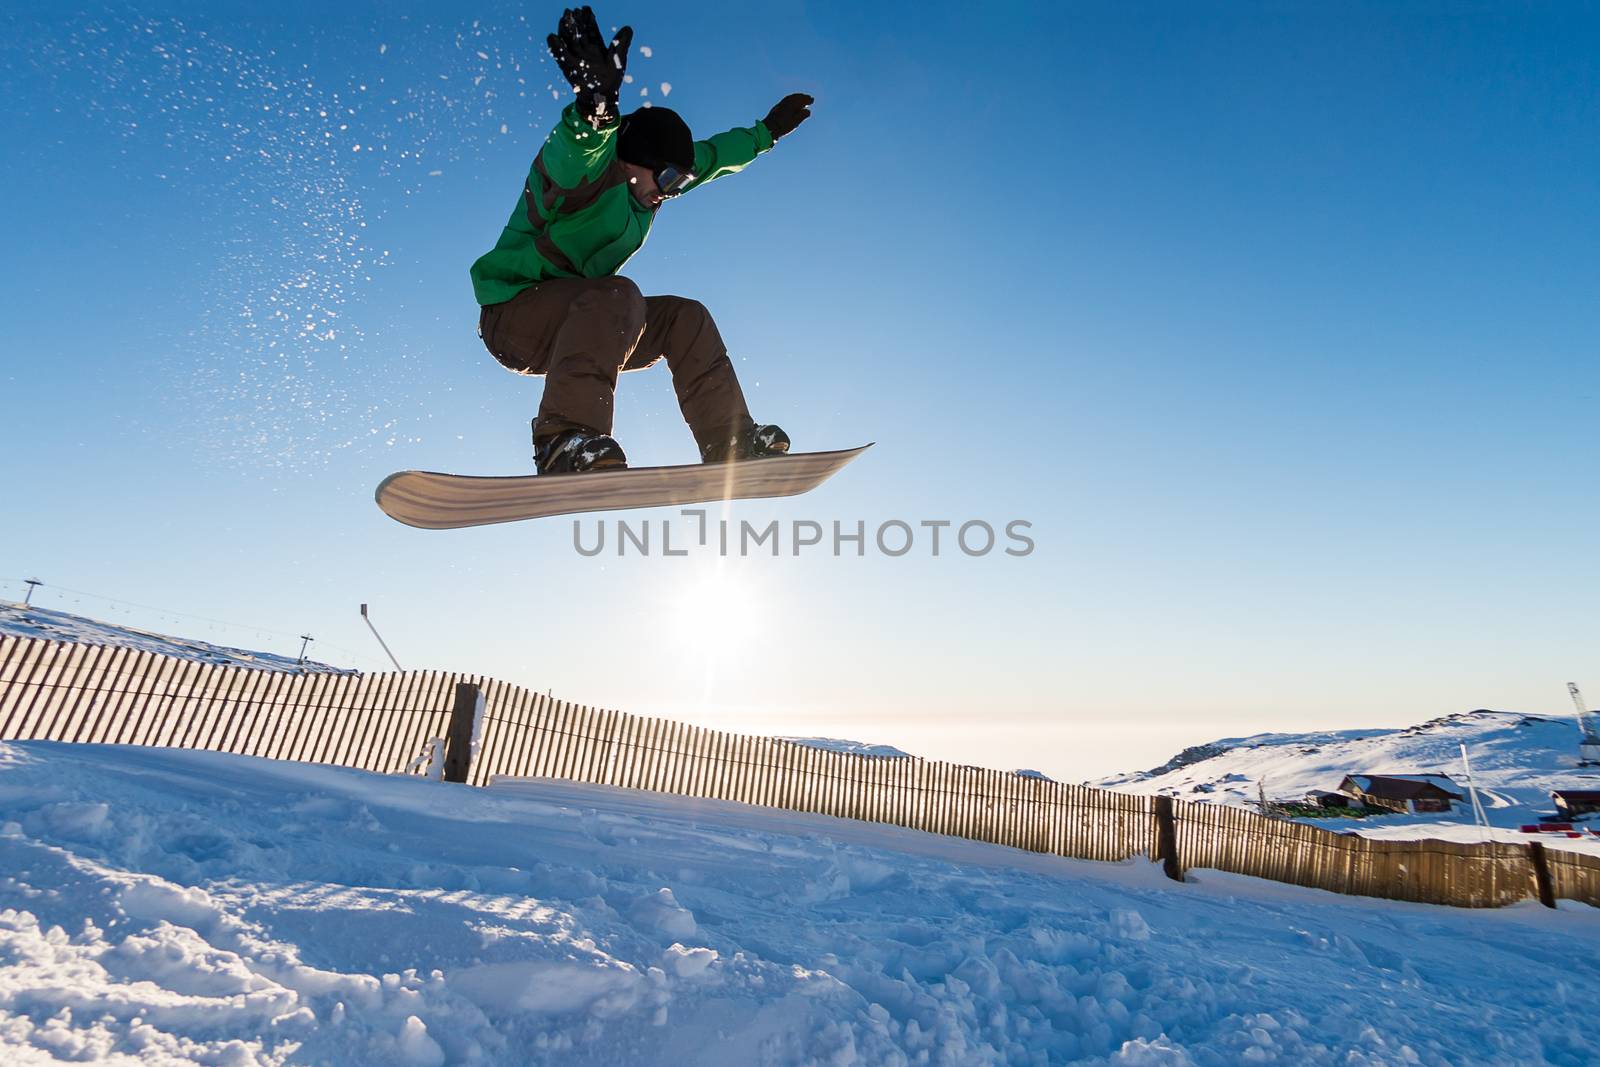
[{"x": 1517, "y": 761}]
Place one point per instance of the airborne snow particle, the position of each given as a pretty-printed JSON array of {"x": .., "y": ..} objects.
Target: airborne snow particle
[
  {"x": 644, "y": 50},
  {"x": 666, "y": 88}
]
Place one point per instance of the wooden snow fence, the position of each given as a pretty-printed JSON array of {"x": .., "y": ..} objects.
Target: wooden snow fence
[
  {"x": 489, "y": 729},
  {"x": 103, "y": 694},
  {"x": 1464, "y": 874}
]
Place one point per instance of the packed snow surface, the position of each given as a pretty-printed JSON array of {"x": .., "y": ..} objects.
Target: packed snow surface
[
  {"x": 1517, "y": 761},
  {"x": 19, "y": 621},
  {"x": 182, "y": 907}
]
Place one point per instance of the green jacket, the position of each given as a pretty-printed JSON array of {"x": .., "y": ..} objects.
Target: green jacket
[{"x": 576, "y": 217}]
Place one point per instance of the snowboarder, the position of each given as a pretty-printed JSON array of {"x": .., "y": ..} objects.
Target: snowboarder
[{"x": 552, "y": 303}]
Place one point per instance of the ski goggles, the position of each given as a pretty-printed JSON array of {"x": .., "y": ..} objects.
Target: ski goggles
[{"x": 672, "y": 180}]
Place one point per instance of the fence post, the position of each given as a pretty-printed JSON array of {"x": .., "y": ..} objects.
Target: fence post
[
  {"x": 1541, "y": 874},
  {"x": 1167, "y": 839},
  {"x": 458, "y": 741}
]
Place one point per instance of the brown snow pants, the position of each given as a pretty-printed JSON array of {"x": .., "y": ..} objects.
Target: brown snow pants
[{"x": 580, "y": 332}]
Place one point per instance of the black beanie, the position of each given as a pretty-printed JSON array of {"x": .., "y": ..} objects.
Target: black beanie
[{"x": 655, "y": 136}]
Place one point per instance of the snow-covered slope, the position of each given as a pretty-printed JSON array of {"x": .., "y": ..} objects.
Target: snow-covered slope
[
  {"x": 19, "y": 621},
  {"x": 1517, "y": 760},
  {"x": 854, "y": 748},
  {"x": 181, "y": 907}
]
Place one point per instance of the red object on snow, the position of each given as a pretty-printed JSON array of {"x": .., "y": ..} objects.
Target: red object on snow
[
  {"x": 1555, "y": 826},
  {"x": 1574, "y": 833},
  {"x": 1530, "y": 828}
]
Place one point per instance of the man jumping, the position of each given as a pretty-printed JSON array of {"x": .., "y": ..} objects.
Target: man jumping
[{"x": 552, "y": 301}]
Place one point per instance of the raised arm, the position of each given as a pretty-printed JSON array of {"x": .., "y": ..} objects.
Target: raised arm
[
  {"x": 585, "y": 140},
  {"x": 730, "y": 152}
]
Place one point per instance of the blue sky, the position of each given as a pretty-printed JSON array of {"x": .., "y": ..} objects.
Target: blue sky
[{"x": 1279, "y": 327}]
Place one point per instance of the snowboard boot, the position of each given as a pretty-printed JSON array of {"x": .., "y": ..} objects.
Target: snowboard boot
[
  {"x": 754, "y": 442},
  {"x": 577, "y": 451}
]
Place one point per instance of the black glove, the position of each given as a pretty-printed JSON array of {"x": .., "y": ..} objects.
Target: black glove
[
  {"x": 788, "y": 113},
  {"x": 593, "y": 70}
]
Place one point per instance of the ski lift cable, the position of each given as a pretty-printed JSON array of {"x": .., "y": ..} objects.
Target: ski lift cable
[{"x": 169, "y": 612}]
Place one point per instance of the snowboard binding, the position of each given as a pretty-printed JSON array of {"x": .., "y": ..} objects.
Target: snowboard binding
[
  {"x": 757, "y": 442},
  {"x": 577, "y": 452}
]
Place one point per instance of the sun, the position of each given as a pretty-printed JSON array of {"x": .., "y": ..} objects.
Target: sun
[{"x": 715, "y": 608}]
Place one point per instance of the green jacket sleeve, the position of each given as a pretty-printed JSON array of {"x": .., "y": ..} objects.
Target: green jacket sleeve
[
  {"x": 728, "y": 153},
  {"x": 575, "y": 151}
]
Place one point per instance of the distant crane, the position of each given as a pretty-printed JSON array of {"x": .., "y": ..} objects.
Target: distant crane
[{"x": 1589, "y": 746}]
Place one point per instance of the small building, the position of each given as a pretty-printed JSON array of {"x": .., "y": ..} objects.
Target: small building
[
  {"x": 1574, "y": 802},
  {"x": 1324, "y": 799},
  {"x": 1406, "y": 793}
]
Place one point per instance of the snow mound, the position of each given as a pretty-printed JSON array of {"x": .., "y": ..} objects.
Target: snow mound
[
  {"x": 853, "y": 748},
  {"x": 181, "y": 907},
  {"x": 19, "y": 621}
]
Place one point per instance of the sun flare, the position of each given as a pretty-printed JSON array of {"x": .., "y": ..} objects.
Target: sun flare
[{"x": 714, "y": 609}]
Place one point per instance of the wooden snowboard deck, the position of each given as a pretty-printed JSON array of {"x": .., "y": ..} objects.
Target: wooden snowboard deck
[{"x": 432, "y": 501}]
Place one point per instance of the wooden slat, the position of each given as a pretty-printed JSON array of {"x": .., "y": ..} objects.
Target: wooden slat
[
  {"x": 574, "y": 752},
  {"x": 101, "y": 695},
  {"x": 711, "y": 758},
  {"x": 241, "y": 690},
  {"x": 382, "y": 694},
  {"x": 667, "y": 767},
  {"x": 16, "y": 657},
  {"x": 524, "y": 734},
  {"x": 659, "y": 749},
  {"x": 722, "y": 766},
  {"x": 62, "y": 724},
  {"x": 404, "y": 731},
  {"x": 620, "y": 751},
  {"x": 324, "y": 743},
  {"x": 151, "y": 690},
  {"x": 696, "y": 768},
  {"x": 40, "y": 686},
  {"x": 680, "y": 759},
  {"x": 711, "y": 741},
  {"x": 302, "y": 716},
  {"x": 192, "y": 715},
  {"x": 259, "y": 728},
  {"x": 648, "y": 757},
  {"x": 24, "y": 691},
  {"x": 542, "y": 717},
  {"x": 791, "y": 761},
  {"x": 550, "y": 719},
  {"x": 369, "y": 696}
]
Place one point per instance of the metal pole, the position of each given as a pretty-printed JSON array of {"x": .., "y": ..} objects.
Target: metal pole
[
  {"x": 305, "y": 639},
  {"x": 1479, "y": 816},
  {"x": 379, "y": 636},
  {"x": 32, "y": 583},
  {"x": 1583, "y": 712}
]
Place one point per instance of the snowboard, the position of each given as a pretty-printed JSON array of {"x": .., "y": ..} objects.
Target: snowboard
[{"x": 433, "y": 501}]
